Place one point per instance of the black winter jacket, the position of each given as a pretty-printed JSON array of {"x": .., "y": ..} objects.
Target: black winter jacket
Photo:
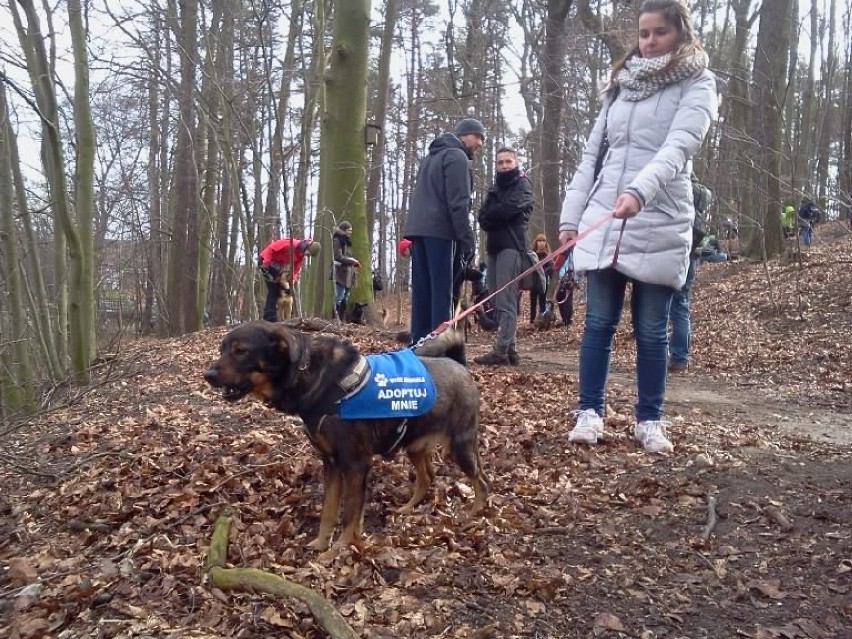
[
  {"x": 344, "y": 263},
  {"x": 506, "y": 212},
  {"x": 440, "y": 206}
]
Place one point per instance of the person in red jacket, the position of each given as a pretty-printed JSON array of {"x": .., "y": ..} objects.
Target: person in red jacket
[{"x": 280, "y": 262}]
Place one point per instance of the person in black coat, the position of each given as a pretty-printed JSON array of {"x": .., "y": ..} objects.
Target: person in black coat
[
  {"x": 538, "y": 299},
  {"x": 438, "y": 224},
  {"x": 344, "y": 266},
  {"x": 504, "y": 217}
]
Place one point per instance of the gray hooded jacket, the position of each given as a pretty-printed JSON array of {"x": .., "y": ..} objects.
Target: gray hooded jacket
[
  {"x": 440, "y": 206},
  {"x": 652, "y": 143}
]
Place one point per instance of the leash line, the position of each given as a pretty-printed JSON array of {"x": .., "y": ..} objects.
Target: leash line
[{"x": 547, "y": 258}]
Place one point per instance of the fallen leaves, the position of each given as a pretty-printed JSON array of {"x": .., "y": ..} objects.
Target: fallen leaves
[{"x": 578, "y": 541}]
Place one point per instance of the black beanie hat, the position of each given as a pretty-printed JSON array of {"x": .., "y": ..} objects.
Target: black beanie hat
[{"x": 470, "y": 125}]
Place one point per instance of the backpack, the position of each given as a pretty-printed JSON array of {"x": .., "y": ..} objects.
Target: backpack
[
  {"x": 378, "y": 282},
  {"x": 701, "y": 198}
]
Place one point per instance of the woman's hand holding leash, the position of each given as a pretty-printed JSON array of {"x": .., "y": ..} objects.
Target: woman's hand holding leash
[
  {"x": 627, "y": 205},
  {"x": 566, "y": 236}
]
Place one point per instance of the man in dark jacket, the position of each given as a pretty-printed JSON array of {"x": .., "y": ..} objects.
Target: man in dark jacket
[
  {"x": 808, "y": 216},
  {"x": 504, "y": 217},
  {"x": 344, "y": 266},
  {"x": 438, "y": 224}
]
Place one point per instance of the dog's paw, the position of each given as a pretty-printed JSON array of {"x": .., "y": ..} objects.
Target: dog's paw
[{"x": 319, "y": 544}]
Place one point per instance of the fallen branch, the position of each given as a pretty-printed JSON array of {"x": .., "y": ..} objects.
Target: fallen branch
[
  {"x": 253, "y": 580},
  {"x": 779, "y": 518},
  {"x": 315, "y": 324},
  {"x": 711, "y": 518}
]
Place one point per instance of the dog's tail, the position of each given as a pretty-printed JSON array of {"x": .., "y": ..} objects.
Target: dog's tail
[{"x": 449, "y": 343}]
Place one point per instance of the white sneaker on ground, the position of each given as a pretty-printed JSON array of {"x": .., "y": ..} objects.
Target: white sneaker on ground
[
  {"x": 652, "y": 435},
  {"x": 588, "y": 429}
]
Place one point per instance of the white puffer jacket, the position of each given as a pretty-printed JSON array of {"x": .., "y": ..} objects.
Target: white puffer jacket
[{"x": 652, "y": 143}]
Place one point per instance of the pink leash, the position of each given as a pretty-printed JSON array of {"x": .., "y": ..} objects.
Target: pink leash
[{"x": 547, "y": 258}]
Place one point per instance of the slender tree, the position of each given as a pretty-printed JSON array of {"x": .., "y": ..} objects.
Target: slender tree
[
  {"x": 182, "y": 283},
  {"x": 770, "y": 62},
  {"x": 17, "y": 391},
  {"x": 342, "y": 152},
  {"x": 552, "y": 97}
]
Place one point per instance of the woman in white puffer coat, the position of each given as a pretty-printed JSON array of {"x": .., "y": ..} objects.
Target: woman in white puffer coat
[{"x": 656, "y": 112}]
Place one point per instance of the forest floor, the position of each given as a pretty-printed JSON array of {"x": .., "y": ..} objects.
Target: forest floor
[{"x": 107, "y": 504}]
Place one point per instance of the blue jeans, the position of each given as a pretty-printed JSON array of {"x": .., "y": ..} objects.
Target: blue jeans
[
  {"x": 681, "y": 334},
  {"x": 650, "y": 307},
  {"x": 341, "y": 293},
  {"x": 431, "y": 284},
  {"x": 806, "y": 233}
]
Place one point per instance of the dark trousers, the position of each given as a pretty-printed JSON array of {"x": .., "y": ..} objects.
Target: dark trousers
[
  {"x": 537, "y": 302},
  {"x": 270, "y": 309},
  {"x": 431, "y": 284}
]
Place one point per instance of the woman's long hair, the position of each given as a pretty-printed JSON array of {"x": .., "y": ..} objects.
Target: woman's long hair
[
  {"x": 675, "y": 13},
  {"x": 541, "y": 237}
]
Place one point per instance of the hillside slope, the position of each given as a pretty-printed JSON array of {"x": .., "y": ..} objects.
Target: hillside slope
[{"x": 107, "y": 505}]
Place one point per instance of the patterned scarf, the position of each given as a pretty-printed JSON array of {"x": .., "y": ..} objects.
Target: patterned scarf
[{"x": 643, "y": 77}]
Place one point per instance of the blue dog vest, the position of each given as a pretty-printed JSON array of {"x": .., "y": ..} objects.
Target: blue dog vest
[{"x": 398, "y": 385}]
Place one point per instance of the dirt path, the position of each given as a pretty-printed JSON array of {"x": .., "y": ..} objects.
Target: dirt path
[{"x": 694, "y": 390}]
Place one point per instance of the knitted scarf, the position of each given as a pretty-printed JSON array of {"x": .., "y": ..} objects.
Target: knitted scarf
[{"x": 643, "y": 77}]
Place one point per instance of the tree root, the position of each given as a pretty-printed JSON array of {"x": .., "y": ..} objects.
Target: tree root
[
  {"x": 254, "y": 580},
  {"x": 711, "y": 518},
  {"x": 779, "y": 518}
]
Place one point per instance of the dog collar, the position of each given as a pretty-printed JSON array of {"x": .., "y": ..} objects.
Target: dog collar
[{"x": 355, "y": 379}]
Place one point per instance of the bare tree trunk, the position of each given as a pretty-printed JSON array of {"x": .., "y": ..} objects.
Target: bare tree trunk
[
  {"x": 845, "y": 160},
  {"x": 342, "y": 188},
  {"x": 826, "y": 122},
  {"x": 377, "y": 157},
  {"x": 773, "y": 38},
  {"x": 221, "y": 278},
  {"x": 342, "y": 165},
  {"x": 735, "y": 147},
  {"x": 33, "y": 274},
  {"x": 315, "y": 281},
  {"x": 183, "y": 214},
  {"x": 614, "y": 44},
  {"x": 802, "y": 171},
  {"x": 32, "y": 43},
  {"x": 270, "y": 224},
  {"x": 17, "y": 391},
  {"x": 82, "y": 283},
  {"x": 550, "y": 129},
  {"x": 211, "y": 98}
]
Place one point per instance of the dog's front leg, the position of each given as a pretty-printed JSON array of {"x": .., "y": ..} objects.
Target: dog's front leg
[
  {"x": 354, "y": 500},
  {"x": 332, "y": 480}
]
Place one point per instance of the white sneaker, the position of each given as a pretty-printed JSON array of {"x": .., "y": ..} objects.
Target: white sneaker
[
  {"x": 588, "y": 429},
  {"x": 652, "y": 435}
]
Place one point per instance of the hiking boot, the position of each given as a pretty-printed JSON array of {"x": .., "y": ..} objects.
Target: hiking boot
[
  {"x": 652, "y": 435},
  {"x": 678, "y": 367},
  {"x": 493, "y": 358},
  {"x": 588, "y": 429},
  {"x": 514, "y": 358}
]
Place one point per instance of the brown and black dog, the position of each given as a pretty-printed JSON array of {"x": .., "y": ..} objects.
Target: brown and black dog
[
  {"x": 304, "y": 375},
  {"x": 285, "y": 297}
]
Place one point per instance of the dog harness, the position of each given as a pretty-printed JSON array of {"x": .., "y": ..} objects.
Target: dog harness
[
  {"x": 382, "y": 386},
  {"x": 397, "y": 385}
]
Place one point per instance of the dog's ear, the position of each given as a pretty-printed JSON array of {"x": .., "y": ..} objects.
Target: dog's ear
[{"x": 290, "y": 344}]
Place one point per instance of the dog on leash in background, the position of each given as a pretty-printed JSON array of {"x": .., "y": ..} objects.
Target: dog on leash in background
[
  {"x": 285, "y": 297},
  {"x": 307, "y": 375}
]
